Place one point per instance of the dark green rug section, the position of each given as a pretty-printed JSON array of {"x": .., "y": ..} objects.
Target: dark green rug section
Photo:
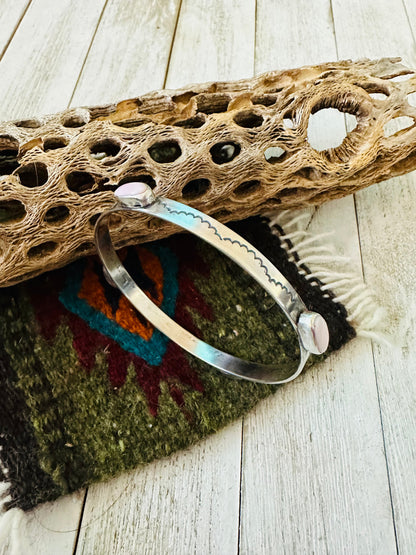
[{"x": 89, "y": 389}]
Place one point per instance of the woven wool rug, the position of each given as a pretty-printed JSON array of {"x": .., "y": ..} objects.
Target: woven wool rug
[{"x": 89, "y": 389}]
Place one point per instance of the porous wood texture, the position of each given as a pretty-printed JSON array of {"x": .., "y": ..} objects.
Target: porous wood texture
[{"x": 231, "y": 149}]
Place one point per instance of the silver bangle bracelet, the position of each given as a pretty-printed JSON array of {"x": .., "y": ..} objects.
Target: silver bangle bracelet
[{"x": 311, "y": 327}]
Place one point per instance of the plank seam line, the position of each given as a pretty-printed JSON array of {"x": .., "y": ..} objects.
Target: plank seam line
[
  {"x": 15, "y": 30},
  {"x": 408, "y": 21},
  {"x": 331, "y": 12},
  {"x": 171, "y": 44},
  {"x": 385, "y": 453},
  {"x": 88, "y": 52},
  {"x": 84, "y": 502}
]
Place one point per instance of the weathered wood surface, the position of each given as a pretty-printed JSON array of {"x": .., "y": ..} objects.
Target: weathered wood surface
[
  {"x": 10, "y": 17},
  {"x": 386, "y": 220},
  {"x": 321, "y": 497},
  {"x": 327, "y": 465}
]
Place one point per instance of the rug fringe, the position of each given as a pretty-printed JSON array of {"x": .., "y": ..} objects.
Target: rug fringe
[
  {"x": 318, "y": 260},
  {"x": 10, "y": 520}
]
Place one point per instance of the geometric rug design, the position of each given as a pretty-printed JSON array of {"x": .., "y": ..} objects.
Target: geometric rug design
[{"x": 91, "y": 389}]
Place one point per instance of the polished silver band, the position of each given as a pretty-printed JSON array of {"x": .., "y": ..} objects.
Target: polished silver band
[{"x": 310, "y": 326}]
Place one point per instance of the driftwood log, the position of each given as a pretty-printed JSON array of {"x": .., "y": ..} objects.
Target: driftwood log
[{"x": 231, "y": 149}]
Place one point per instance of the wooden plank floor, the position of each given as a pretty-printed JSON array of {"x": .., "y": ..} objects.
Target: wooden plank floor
[{"x": 327, "y": 465}]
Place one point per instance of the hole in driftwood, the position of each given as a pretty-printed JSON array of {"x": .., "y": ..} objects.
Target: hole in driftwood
[
  {"x": 397, "y": 124},
  {"x": 8, "y": 161},
  {"x": 33, "y": 175},
  {"x": 264, "y": 100},
  {"x": 274, "y": 154},
  {"x": 105, "y": 148},
  {"x": 191, "y": 123},
  {"x": 247, "y": 118},
  {"x": 219, "y": 214},
  {"x": 44, "y": 249},
  {"x": 101, "y": 186},
  {"x": 56, "y": 214},
  {"x": 143, "y": 178},
  {"x": 165, "y": 152},
  {"x": 411, "y": 99},
  {"x": 74, "y": 120},
  {"x": 87, "y": 246},
  {"x": 79, "y": 182},
  {"x": 326, "y": 128},
  {"x": 183, "y": 98},
  {"x": 53, "y": 143},
  {"x": 224, "y": 152},
  {"x": 350, "y": 122},
  {"x": 7, "y": 142},
  {"x": 94, "y": 219},
  {"x": 129, "y": 123},
  {"x": 247, "y": 188},
  {"x": 378, "y": 95},
  {"x": 404, "y": 77},
  {"x": 11, "y": 211},
  {"x": 195, "y": 189},
  {"x": 308, "y": 172},
  {"x": 288, "y": 123},
  {"x": 29, "y": 123}
]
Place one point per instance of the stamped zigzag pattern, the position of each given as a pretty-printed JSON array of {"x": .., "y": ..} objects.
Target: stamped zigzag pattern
[{"x": 233, "y": 242}]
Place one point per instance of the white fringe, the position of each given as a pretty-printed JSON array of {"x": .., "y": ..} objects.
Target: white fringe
[
  {"x": 316, "y": 252},
  {"x": 10, "y": 521}
]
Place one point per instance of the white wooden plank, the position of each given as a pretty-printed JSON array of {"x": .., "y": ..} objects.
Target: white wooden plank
[
  {"x": 11, "y": 11},
  {"x": 310, "y": 479},
  {"x": 386, "y": 222},
  {"x": 410, "y": 8},
  {"x": 291, "y": 34},
  {"x": 130, "y": 52},
  {"x": 314, "y": 474},
  {"x": 50, "y": 529},
  {"x": 190, "y": 502},
  {"x": 187, "y": 503},
  {"x": 44, "y": 58},
  {"x": 39, "y": 71},
  {"x": 214, "y": 41},
  {"x": 387, "y": 35}
]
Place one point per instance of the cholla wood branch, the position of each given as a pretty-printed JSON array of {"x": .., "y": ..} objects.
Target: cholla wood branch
[{"x": 231, "y": 149}]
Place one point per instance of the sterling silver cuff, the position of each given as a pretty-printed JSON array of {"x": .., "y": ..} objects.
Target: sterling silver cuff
[{"x": 311, "y": 327}]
